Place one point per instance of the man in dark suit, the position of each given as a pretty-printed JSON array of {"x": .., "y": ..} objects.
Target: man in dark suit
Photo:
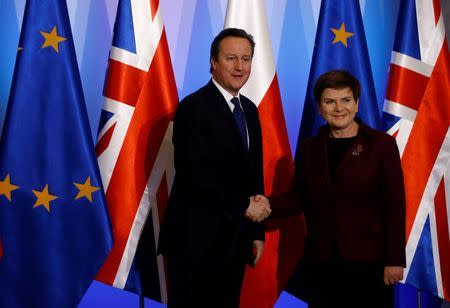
[{"x": 211, "y": 227}]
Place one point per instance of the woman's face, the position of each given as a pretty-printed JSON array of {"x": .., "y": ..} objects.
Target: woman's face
[{"x": 338, "y": 108}]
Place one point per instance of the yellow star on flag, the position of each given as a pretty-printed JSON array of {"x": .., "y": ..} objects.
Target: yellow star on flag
[
  {"x": 52, "y": 39},
  {"x": 43, "y": 198},
  {"x": 6, "y": 187},
  {"x": 86, "y": 189},
  {"x": 341, "y": 35}
]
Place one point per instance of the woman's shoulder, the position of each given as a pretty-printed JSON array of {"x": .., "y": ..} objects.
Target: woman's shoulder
[
  {"x": 375, "y": 134},
  {"x": 309, "y": 147},
  {"x": 309, "y": 142}
]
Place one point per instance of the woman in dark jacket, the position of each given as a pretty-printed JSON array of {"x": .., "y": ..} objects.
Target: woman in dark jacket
[{"x": 349, "y": 185}]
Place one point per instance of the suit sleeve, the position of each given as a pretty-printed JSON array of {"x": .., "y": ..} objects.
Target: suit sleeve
[
  {"x": 394, "y": 199},
  {"x": 192, "y": 162}
]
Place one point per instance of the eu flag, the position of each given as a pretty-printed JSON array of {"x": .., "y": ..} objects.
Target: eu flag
[
  {"x": 54, "y": 226},
  {"x": 340, "y": 44}
]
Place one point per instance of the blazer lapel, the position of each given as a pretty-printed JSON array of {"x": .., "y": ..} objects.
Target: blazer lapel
[{"x": 356, "y": 151}]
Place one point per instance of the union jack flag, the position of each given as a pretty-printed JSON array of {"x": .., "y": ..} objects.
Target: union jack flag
[
  {"x": 134, "y": 146},
  {"x": 417, "y": 113}
]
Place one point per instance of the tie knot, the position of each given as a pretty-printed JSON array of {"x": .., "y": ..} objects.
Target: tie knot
[{"x": 235, "y": 101}]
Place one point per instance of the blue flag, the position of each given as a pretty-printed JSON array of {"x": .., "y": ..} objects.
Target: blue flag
[
  {"x": 54, "y": 226},
  {"x": 340, "y": 44}
]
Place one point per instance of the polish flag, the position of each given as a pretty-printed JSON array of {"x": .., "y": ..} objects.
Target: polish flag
[{"x": 264, "y": 282}]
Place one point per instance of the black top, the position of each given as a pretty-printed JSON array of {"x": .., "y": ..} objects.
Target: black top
[{"x": 336, "y": 150}]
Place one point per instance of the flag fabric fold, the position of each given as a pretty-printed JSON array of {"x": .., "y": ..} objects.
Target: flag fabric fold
[
  {"x": 263, "y": 283},
  {"x": 134, "y": 147},
  {"x": 340, "y": 44},
  {"x": 417, "y": 113},
  {"x": 54, "y": 225}
]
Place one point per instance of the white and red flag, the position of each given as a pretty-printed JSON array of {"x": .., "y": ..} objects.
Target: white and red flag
[
  {"x": 263, "y": 283},
  {"x": 417, "y": 113},
  {"x": 134, "y": 146}
]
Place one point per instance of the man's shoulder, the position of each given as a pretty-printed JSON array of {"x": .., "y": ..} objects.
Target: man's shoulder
[
  {"x": 201, "y": 96},
  {"x": 310, "y": 143},
  {"x": 246, "y": 102},
  {"x": 196, "y": 95},
  {"x": 192, "y": 102}
]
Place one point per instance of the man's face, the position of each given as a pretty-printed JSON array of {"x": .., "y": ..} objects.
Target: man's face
[
  {"x": 234, "y": 63},
  {"x": 338, "y": 107}
]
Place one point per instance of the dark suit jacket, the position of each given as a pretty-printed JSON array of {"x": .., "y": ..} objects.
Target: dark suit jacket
[
  {"x": 204, "y": 224},
  {"x": 361, "y": 212}
]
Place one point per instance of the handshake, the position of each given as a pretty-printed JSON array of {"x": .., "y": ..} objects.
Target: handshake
[{"x": 259, "y": 208}]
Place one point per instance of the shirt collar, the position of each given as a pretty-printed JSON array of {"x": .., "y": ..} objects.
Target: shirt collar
[{"x": 227, "y": 95}]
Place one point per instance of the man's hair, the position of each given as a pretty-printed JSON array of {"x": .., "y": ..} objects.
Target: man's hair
[
  {"x": 229, "y": 32},
  {"x": 336, "y": 79}
]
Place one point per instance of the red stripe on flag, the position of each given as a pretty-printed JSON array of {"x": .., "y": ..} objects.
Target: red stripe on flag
[
  {"x": 154, "y": 109},
  {"x": 262, "y": 279},
  {"x": 437, "y": 10},
  {"x": 443, "y": 237},
  {"x": 124, "y": 82},
  {"x": 263, "y": 283},
  {"x": 290, "y": 246},
  {"x": 278, "y": 174},
  {"x": 427, "y": 135},
  {"x": 278, "y": 163},
  {"x": 406, "y": 87},
  {"x": 103, "y": 143},
  {"x": 154, "y": 5},
  {"x": 395, "y": 134}
]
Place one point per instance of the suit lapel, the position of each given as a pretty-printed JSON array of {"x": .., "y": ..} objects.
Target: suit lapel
[{"x": 224, "y": 110}]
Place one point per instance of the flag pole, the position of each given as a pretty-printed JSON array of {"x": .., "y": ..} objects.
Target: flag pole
[
  {"x": 419, "y": 301},
  {"x": 141, "y": 301}
]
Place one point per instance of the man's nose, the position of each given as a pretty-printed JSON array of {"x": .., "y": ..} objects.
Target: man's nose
[{"x": 238, "y": 65}]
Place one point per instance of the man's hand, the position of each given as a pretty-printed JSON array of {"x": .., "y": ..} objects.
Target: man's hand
[
  {"x": 259, "y": 208},
  {"x": 392, "y": 274},
  {"x": 259, "y": 247}
]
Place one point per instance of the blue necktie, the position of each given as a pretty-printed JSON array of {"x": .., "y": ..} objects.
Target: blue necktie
[{"x": 239, "y": 117}]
